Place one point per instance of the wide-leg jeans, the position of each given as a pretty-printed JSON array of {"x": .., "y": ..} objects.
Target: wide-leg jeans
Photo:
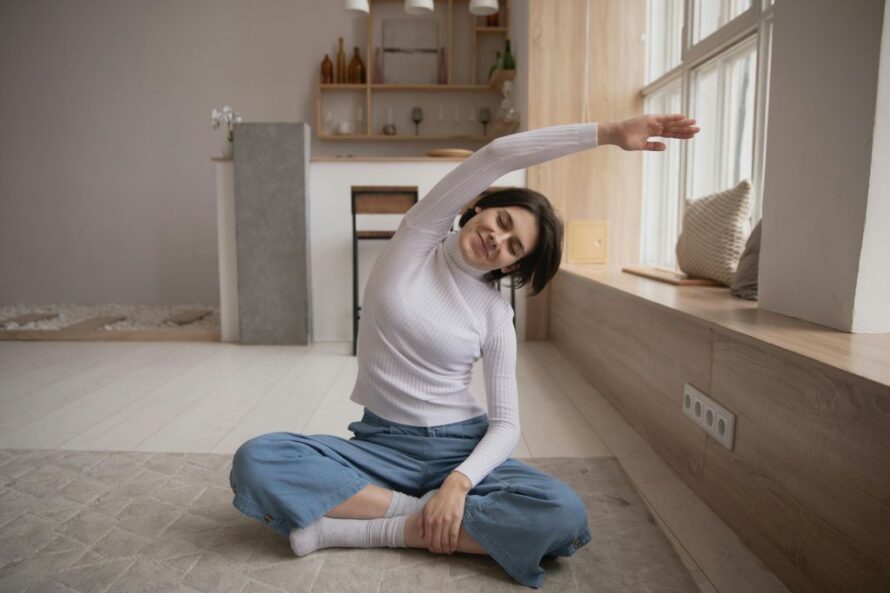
[{"x": 519, "y": 514}]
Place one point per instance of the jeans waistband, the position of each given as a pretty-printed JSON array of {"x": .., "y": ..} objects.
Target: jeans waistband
[{"x": 372, "y": 418}]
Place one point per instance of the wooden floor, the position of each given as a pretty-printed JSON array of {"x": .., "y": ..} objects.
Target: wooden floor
[{"x": 211, "y": 397}]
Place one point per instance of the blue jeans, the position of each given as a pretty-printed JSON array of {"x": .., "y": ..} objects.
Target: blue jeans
[{"x": 519, "y": 514}]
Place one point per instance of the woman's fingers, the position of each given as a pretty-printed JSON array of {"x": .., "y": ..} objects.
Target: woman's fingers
[
  {"x": 441, "y": 537},
  {"x": 455, "y": 537},
  {"x": 670, "y": 118}
]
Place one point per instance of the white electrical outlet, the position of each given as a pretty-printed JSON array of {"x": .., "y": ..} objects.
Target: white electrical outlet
[{"x": 708, "y": 414}]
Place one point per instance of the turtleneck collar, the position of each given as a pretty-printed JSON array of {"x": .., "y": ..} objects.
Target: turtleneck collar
[{"x": 453, "y": 253}]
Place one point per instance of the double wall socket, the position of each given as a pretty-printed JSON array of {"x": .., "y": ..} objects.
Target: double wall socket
[{"x": 714, "y": 418}]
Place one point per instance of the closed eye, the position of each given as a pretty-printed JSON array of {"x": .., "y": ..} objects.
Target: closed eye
[{"x": 503, "y": 226}]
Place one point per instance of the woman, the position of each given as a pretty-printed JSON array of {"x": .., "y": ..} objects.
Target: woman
[{"x": 430, "y": 312}]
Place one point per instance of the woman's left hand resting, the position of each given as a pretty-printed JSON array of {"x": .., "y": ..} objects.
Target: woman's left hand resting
[
  {"x": 634, "y": 133},
  {"x": 441, "y": 518}
]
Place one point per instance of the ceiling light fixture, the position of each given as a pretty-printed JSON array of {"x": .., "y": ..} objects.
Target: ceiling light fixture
[
  {"x": 357, "y": 5},
  {"x": 417, "y": 7},
  {"x": 483, "y": 7}
]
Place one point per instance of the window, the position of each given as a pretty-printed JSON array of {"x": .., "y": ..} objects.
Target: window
[
  {"x": 710, "y": 15},
  {"x": 661, "y": 212},
  {"x": 718, "y": 76},
  {"x": 663, "y": 42},
  {"x": 723, "y": 104}
]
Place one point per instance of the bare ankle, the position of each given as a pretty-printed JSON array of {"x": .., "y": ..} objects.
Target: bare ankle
[{"x": 370, "y": 502}]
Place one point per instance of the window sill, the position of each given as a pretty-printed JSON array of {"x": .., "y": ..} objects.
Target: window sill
[{"x": 863, "y": 355}]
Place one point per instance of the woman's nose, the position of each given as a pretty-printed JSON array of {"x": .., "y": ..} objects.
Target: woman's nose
[{"x": 495, "y": 240}]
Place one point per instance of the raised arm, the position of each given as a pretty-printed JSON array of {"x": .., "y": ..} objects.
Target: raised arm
[{"x": 436, "y": 211}]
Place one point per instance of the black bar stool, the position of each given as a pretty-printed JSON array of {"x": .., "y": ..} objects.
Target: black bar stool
[{"x": 372, "y": 199}]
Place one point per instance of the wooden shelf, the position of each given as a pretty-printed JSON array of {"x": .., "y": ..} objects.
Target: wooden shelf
[
  {"x": 401, "y": 137},
  {"x": 342, "y": 87},
  {"x": 406, "y": 87},
  {"x": 430, "y": 87},
  {"x": 372, "y": 91}
]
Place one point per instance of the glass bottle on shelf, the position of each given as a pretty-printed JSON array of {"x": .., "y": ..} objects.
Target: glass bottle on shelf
[
  {"x": 327, "y": 70},
  {"x": 390, "y": 127},
  {"x": 378, "y": 66},
  {"x": 328, "y": 122},
  {"x": 359, "y": 120},
  {"x": 509, "y": 60},
  {"x": 507, "y": 113},
  {"x": 442, "y": 68},
  {"x": 356, "y": 71},
  {"x": 340, "y": 76}
]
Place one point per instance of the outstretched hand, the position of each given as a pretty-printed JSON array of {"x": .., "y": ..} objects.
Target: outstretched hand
[{"x": 634, "y": 133}]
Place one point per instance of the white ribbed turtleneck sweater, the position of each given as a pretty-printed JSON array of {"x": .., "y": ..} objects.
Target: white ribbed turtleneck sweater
[{"x": 427, "y": 315}]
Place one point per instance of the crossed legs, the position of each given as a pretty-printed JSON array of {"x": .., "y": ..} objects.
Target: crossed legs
[{"x": 371, "y": 503}]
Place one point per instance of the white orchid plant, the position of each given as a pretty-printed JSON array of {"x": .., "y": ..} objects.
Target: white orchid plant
[{"x": 227, "y": 116}]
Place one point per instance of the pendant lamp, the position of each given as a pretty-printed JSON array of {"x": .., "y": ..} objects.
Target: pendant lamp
[
  {"x": 357, "y": 5},
  {"x": 483, "y": 7},
  {"x": 417, "y": 7}
]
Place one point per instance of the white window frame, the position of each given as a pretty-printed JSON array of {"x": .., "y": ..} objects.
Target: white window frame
[{"x": 756, "y": 21}]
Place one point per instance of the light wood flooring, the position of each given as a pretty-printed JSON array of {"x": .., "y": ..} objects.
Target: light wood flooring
[{"x": 211, "y": 397}]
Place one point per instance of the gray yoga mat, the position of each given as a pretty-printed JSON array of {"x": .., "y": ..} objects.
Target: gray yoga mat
[{"x": 126, "y": 521}]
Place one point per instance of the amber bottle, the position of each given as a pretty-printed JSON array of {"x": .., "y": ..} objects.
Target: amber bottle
[
  {"x": 340, "y": 76},
  {"x": 356, "y": 71},
  {"x": 327, "y": 70}
]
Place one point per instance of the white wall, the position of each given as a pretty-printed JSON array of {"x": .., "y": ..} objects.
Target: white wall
[
  {"x": 871, "y": 312},
  {"x": 106, "y": 185},
  {"x": 823, "y": 87}
]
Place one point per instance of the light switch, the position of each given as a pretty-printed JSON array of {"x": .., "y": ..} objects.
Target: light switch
[{"x": 588, "y": 241}]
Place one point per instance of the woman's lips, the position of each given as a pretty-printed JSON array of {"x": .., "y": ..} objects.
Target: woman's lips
[{"x": 482, "y": 248}]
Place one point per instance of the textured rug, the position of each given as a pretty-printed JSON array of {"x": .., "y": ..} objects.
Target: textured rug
[{"x": 131, "y": 522}]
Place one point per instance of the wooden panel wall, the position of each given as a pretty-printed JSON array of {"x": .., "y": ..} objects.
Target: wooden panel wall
[
  {"x": 806, "y": 486},
  {"x": 601, "y": 184}
]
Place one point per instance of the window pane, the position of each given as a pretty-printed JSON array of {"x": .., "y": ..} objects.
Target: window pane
[
  {"x": 664, "y": 22},
  {"x": 710, "y": 15},
  {"x": 740, "y": 100},
  {"x": 661, "y": 189},
  {"x": 723, "y": 104},
  {"x": 738, "y": 7},
  {"x": 707, "y": 18},
  {"x": 705, "y": 110}
]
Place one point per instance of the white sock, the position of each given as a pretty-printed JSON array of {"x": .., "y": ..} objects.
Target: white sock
[
  {"x": 349, "y": 533},
  {"x": 405, "y": 504}
]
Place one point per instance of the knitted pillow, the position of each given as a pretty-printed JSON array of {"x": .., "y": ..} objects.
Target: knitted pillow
[
  {"x": 744, "y": 284},
  {"x": 714, "y": 231}
]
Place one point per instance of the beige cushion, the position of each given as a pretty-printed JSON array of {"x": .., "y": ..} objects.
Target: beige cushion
[
  {"x": 744, "y": 284},
  {"x": 714, "y": 231}
]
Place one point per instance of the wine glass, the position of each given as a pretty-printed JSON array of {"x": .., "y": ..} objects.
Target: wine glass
[
  {"x": 484, "y": 118},
  {"x": 417, "y": 117}
]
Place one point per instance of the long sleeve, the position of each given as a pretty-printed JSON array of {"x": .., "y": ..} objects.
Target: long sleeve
[
  {"x": 499, "y": 368},
  {"x": 436, "y": 211}
]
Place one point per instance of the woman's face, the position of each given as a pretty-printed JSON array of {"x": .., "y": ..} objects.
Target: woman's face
[{"x": 498, "y": 237}]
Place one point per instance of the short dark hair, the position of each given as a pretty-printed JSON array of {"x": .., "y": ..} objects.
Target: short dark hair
[{"x": 540, "y": 266}]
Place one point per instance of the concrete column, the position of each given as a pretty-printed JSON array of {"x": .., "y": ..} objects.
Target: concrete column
[
  {"x": 825, "y": 254},
  {"x": 271, "y": 225}
]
